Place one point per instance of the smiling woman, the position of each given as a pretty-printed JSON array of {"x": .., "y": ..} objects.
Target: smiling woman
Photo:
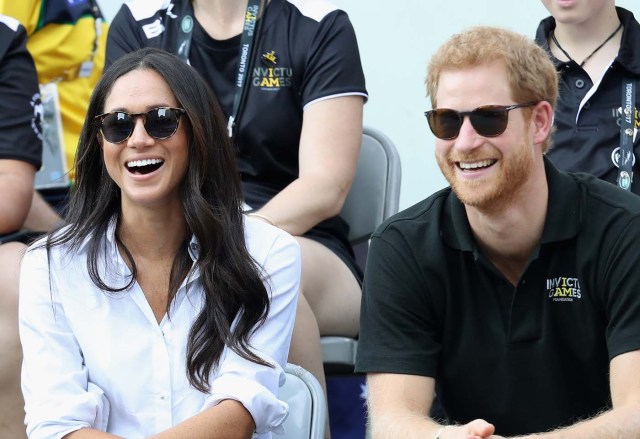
[
  {"x": 145, "y": 153},
  {"x": 158, "y": 272}
]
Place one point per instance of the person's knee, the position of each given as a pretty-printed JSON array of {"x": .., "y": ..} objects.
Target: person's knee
[{"x": 323, "y": 272}]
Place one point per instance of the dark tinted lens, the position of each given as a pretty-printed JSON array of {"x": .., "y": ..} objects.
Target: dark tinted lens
[
  {"x": 161, "y": 122},
  {"x": 445, "y": 124},
  {"x": 489, "y": 121},
  {"x": 116, "y": 127}
]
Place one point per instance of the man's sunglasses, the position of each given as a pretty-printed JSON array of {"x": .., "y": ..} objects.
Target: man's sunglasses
[
  {"x": 488, "y": 120},
  {"x": 160, "y": 123}
]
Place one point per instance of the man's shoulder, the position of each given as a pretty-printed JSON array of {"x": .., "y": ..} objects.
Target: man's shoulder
[
  {"x": 604, "y": 196},
  {"x": 414, "y": 219}
]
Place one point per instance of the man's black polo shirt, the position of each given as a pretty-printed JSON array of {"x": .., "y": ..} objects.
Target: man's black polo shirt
[
  {"x": 587, "y": 138},
  {"x": 527, "y": 358}
]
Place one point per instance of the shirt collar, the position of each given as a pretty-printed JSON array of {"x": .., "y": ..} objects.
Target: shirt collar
[
  {"x": 629, "y": 55},
  {"x": 563, "y": 218},
  {"x": 564, "y": 206}
]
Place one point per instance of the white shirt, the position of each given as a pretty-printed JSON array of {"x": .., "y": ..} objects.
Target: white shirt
[{"x": 101, "y": 360}]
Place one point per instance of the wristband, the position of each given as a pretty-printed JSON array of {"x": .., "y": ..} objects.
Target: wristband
[
  {"x": 265, "y": 218},
  {"x": 439, "y": 432}
]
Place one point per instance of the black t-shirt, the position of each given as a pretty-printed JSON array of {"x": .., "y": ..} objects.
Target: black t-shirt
[
  {"x": 528, "y": 358},
  {"x": 587, "y": 137},
  {"x": 20, "y": 106}
]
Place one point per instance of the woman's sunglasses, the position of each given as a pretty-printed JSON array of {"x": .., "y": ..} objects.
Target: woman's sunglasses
[
  {"x": 160, "y": 123},
  {"x": 488, "y": 120}
]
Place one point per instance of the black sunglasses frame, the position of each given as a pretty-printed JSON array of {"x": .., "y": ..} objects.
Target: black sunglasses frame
[
  {"x": 497, "y": 113},
  {"x": 178, "y": 112}
]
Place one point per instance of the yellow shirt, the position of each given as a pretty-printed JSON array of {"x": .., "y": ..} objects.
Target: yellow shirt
[{"x": 62, "y": 41}]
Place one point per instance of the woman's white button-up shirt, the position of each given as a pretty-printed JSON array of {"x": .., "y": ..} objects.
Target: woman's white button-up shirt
[{"x": 101, "y": 360}]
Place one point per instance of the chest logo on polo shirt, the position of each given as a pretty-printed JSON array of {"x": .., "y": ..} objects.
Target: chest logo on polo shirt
[
  {"x": 270, "y": 76},
  {"x": 564, "y": 289},
  {"x": 270, "y": 58}
]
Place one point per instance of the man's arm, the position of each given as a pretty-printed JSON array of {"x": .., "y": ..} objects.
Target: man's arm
[
  {"x": 623, "y": 420},
  {"x": 398, "y": 406},
  {"x": 16, "y": 189}
]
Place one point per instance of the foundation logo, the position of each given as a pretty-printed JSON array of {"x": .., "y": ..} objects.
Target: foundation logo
[
  {"x": 564, "y": 289},
  {"x": 272, "y": 78},
  {"x": 270, "y": 58}
]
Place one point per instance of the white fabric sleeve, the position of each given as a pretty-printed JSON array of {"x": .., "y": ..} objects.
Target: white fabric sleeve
[
  {"x": 58, "y": 397},
  {"x": 253, "y": 385}
]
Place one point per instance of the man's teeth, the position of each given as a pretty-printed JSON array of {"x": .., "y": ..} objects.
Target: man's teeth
[
  {"x": 476, "y": 165},
  {"x": 140, "y": 163}
]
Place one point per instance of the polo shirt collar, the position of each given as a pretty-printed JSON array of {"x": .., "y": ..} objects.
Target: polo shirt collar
[
  {"x": 542, "y": 37},
  {"x": 629, "y": 55},
  {"x": 563, "y": 218},
  {"x": 456, "y": 231},
  {"x": 564, "y": 207}
]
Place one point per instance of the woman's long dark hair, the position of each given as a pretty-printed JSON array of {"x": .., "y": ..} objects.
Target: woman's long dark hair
[{"x": 212, "y": 206}]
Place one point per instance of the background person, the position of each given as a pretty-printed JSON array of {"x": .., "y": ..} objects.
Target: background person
[
  {"x": 20, "y": 157},
  {"x": 298, "y": 128},
  {"x": 159, "y": 273},
  {"x": 594, "y": 46},
  {"x": 513, "y": 293},
  {"x": 67, "y": 41}
]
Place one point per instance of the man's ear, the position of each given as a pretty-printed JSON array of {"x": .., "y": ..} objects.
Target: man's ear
[{"x": 541, "y": 122}]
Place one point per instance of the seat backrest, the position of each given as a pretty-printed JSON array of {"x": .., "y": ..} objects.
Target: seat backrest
[
  {"x": 53, "y": 173},
  {"x": 307, "y": 405},
  {"x": 375, "y": 192}
]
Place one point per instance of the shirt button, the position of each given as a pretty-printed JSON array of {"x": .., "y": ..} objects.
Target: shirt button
[
  {"x": 194, "y": 246},
  {"x": 162, "y": 397},
  {"x": 586, "y": 105},
  {"x": 579, "y": 83}
]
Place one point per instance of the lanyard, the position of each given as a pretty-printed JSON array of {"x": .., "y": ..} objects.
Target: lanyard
[
  {"x": 245, "y": 61},
  {"x": 627, "y": 123},
  {"x": 86, "y": 68}
]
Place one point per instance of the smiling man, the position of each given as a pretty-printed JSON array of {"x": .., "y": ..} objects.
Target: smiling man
[{"x": 512, "y": 294}]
